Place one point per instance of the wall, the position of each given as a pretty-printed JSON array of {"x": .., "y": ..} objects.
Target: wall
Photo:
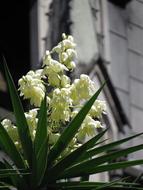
[{"x": 126, "y": 67}]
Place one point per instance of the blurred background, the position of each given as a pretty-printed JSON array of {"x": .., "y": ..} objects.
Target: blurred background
[{"x": 109, "y": 37}]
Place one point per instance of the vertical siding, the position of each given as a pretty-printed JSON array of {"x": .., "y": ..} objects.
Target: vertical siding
[
  {"x": 135, "y": 40},
  {"x": 116, "y": 19},
  {"x": 119, "y": 70},
  {"x": 126, "y": 35},
  {"x": 136, "y": 65},
  {"x": 135, "y": 53},
  {"x": 136, "y": 93},
  {"x": 119, "y": 67},
  {"x": 136, "y": 12}
]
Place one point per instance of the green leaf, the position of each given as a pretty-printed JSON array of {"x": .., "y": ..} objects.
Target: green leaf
[
  {"x": 16, "y": 179},
  {"x": 9, "y": 147},
  {"x": 4, "y": 173},
  {"x": 92, "y": 185},
  {"x": 107, "y": 147},
  {"x": 72, "y": 128},
  {"x": 87, "y": 166},
  {"x": 21, "y": 122},
  {"x": 4, "y": 185},
  {"x": 8, "y": 172},
  {"x": 109, "y": 184},
  {"x": 40, "y": 145},
  {"x": 42, "y": 161},
  {"x": 41, "y": 131},
  {"x": 71, "y": 159},
  {"x": 100, "y": 169}
]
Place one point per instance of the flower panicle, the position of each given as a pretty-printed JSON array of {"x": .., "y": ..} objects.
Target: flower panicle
[{"x": 64, "y": 98}]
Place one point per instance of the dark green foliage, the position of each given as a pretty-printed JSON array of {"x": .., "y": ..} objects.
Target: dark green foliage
[{"x": 38, "y": 167}]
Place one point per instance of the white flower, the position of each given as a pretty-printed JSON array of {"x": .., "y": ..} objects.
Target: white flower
[
  {"x": 12, "y": 131},
  {"x": 98, "y": 108},
  {"x": 71, "y": 53},
  {"x": 70, "y": 38},
  {"x": 54, "y": 70},
  {"x": 64, "y": 99},
  {"x": 82, "y": 89},
  {"x": 57, "y": 49},
  {"x": 31, "y": 118},
  {"x": 6, "y": 123},
  {"x": 60, "y": 105},
  {"x": 65, "y": 81},
  {"x": 74, "y": 113},
  {"x": 47, "y": 58},
  {"x": 32, "y": 121},
  {"x": 67, "y": 44},
  {"x": 64, "y": 36},
  {"x": 53, "y": 137},
  {"x": 88, "y": 128},
  {"x": 70, "y": 65},
  {"x": 54, "y": 79},
  {"x": 38, "y": 73},
  {"x": 64, "y": 57},
  {"x": 66, "y": 51},
  {"x": 56, "y": 67},
  {"x": 48, "y": 99},
  {"x": 31, "y": 87}
]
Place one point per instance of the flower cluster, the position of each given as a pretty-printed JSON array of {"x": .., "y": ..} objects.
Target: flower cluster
[
  {"x": 31, "y": 87},
  {"x": 64, "y": 98},
  {"x": 12, "y": 131}
]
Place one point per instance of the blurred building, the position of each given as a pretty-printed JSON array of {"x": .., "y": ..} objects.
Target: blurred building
[{"x": 109, "y": 35}]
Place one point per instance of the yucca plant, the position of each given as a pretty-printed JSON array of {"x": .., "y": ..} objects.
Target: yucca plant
[{"x": 38, "y": 165}]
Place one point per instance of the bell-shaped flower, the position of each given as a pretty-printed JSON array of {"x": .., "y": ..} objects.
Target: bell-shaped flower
[
  {"x": 32, "y": 121},
  {"x": 65, "y": 81},
  {"x": 12, "y": 131},
  {"x": 97, "y": 109},
  {"x": 88, "y": 128},
  {"x": 53, "y": 137},
  {"x": 82, "y": 89},
  {"x": 32, "y": 87},
  {"x": 60, "y": 105}
]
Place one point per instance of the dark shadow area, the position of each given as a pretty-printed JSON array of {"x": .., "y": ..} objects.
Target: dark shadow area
[{"x": 14, "y": 41}]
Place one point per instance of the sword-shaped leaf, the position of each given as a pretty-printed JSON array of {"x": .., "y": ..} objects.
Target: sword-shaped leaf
[
  {"x": 41, "y": 145},
  {"x": 98, "y": 169},
  {"x": 18, "y": 180},
  {"x": 42, "y": 161},
  {"x": 107, "y": 147},
  {"x": 94, "y": 185},
  {"x": 90, "y": 164},
  {"x": 41, "y": 131},
  {"x": 21, "y": 122},
  {"x": 73, "y": 157},
  {"x": 9, "y": 147}
]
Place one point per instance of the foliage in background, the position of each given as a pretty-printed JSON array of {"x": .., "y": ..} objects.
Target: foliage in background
[{"x": 45, "y": 144}]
